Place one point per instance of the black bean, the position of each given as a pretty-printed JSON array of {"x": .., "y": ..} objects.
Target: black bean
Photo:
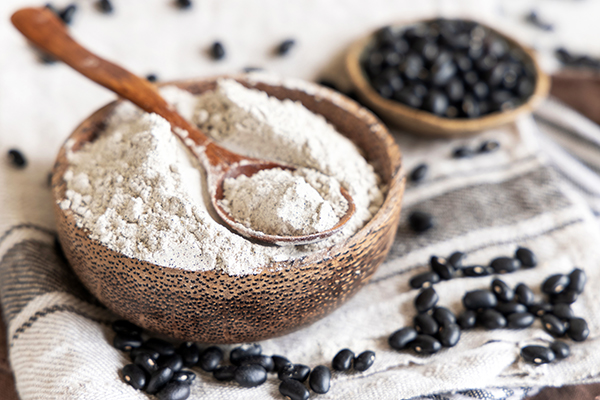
[
  {"x": 419, "y": 173},
  {"x": 159, "y": 379},
  {"x": 577, "y": 279},
  {"x": 537, "y": 354},
  {"x": 426, "y": 300},
  {"x": 555, "y": 284},
  {"x": 279, "y": 362},
  {"x": 67, "y": 13},
  {"x": 477, "y": 271},
  {"x": 405, "y": 96},
  {"x": 462, "y": 152},
  {"x": 217, "y": 51},
  {"x": 480, "y": 298},
  {"x": 104, "y": 6},
  {"x": 151, "y": 78},
  {"x": 225, "y": 373},
  {"x": 211, "y": 358},
  {"x": 127, "y": 342},
  {"x": 526, "y": 256},
  {"x": 424, "y": 280},
  {"x": 145, "y": 350},
  {"x": 525, "y": 87},
  {"x": 563, "y": 311},
  {"x": 470, "y": 107},
  {"x": 184, "y": 376},
  {"x": 320, "y": 379},
  {"x": 456, "y": 259},
  {"x": 241, "y": 352},
  {"x": 467, "y": 319},
  {"x": 510, "y": 308},
  {"x": 491, "y": 319},
  {"x": 524, "y": 294},
  {"x": 183, "y": 4},
  {"x": 436, "y": 102},
  {"x": 520, "y": 320},
  {"x": 400, "y": 339},
  {"x": 174, "y": 391},
  {"x": 174, "y": 361},
  {"x": 539, "y": 309},
  {"x": 285, "y": 47},
  {"x": 343, "y": 360},
  {"x": 190, "y": 353},
  {"x": 250, "y": 375},
  {"x": 533, "y": 18},
  {"x": 463, "y": 62},
  {"x": 364, "y": 360},
  {"x": 441, "y": 267},
  {"x": 449, "y": 335},
  {"x": 146, "y": 362},
  {"x": 425, "y": 324},
  {"x": 553, "y": 325},
  {"x": 253, "y": 69},
  {"x": 264, "y": 361},
  {"x": 444, "y": 316},
  {"x": 503, "y": 265},
  {"x": 560, "y": 349},
  {"x": 502, "y": 291},
  {"x": 425, "y": 344},
  {"x": 126, "y": 327},
  {"x": 16, "y": 158},
  {"x": 293, "y": 390},
  {"x": 163, "y": 347},
  {"x": 298, "y": 372},
  {"x": 481, "y": 90},
  {"x": 489, "y": 146},
  {"x": 564, "y": 297},
  {"x": 455, "y": 90},
  {"x": 134, "y": 376},
  {"x": 420, "y": 221},
  {"x": 578, "y": 329}
]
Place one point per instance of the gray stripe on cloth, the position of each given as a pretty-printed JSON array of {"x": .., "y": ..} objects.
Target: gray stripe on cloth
[
  {"x": 481, "y": 206},
  {"x": 31, "y": 268}
]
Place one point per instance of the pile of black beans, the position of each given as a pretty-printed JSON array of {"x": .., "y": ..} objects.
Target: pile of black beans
[
  {"x": 451, "y": 68},
  {"x": 497, "y": 307}
]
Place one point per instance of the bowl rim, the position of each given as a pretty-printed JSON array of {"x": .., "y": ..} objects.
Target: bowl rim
[
  {"x": 392, "y": 189},
  {"x": 430, "y": 123}
]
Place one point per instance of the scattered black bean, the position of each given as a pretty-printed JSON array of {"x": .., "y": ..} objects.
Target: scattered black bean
[
  {"x": 364, "y": 360},
  {"x": 293, "y": 390},
  {"x": 151, "y": 78},
  {"x": 242, "y": 352},
  {"x": 425, "y": 324},
  {"x": 67, "y": 13},
  {"x": 174, "y": 391},
  {"x": 477, "y": 271},
  {"x": 134, "y": 375},
  {"x": 456, "y": 259},
  {"x": 462, "y": 152},
  {"x": 184, "y": 376},
  {"x": 210, "y": 358},
  {"x": 577, "y": 279},
  {"x": 563, "y": 311},
  {"x": 343, "y": 360},
  {"x": 553, "y": 325},
  {"x": 126, "y": 342},
  {"x": 16, "y": 158},
  {"x": 560, "y": 349},
  {"x": 426, "y": 300},
  {"x": 424, "y": 280},
  {"x": 298, "y": 372},
  {"x": 279, "y": 362},
  {"x": 264, "y": 361},
  {"x": 420, "y": 221},
  {"x": 555, "y": 284},
  {"x": 183, "y": 4},
  {"x": 502, "y": 291},
  {"x": 511, "y": 308},
  {"x": 504, "y": 265},
  {"x": 442, "y": 267},
  {"x": 163, "y": 347},
  {"x": 481, "y": 298},
  {"x": 524, "y": 294},
  {"x": 539, "y": 309},
  {"x": 537, "y": 354},
  {"x": 491, "y": 319},
  {"x": 153, "y": 354},
  {"x": 400, "y": 339},
  {"x": 449, "y": 335},
  {"x": 252, "y": 69},
  {"x": 320, "y": 379},
  {"x": 425, "y": 344},
  {"x": 217, "y": 51},
  {"x": 190, "y": 353},
  {"x": 535, "y": 20},
  {"x": 174, "y": 361},
  {"x": 225, "y": 373},
  {"x": 146, "y": 362},
  {"x": 577, "y": 60},
  {"x": 520, "y": 320},
  {"x": 489, "y": 146},
  {"x": 564, "y": 297},
  {"x": 285, "y": 47},
  {"x": 159, "y": 379},
  {"x": 444, "y": 316},
  {"x": 578, "y": 329},
  {"x": 526, "y": 256},
  {"x": 419, "y": 173},
  {"x": 250, "y": 375},
  {"x": 467, "y": 319},
  {"x": 104, "y": 6}
]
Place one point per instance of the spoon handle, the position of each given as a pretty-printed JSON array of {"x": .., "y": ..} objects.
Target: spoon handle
[{"x": 47, "y": 32}]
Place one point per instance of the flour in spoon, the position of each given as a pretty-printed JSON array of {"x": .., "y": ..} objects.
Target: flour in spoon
[{"x": 140, "y": 192}]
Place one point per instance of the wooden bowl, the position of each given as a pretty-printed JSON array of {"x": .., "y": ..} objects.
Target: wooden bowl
[
  {"x": 214, "y": 307},
  {"x": 426, "y": 123}
]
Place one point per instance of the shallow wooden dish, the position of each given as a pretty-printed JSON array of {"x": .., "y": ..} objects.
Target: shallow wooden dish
[
  {"x": 213, "y": 307},
  {"x": 425, "y": 123}
]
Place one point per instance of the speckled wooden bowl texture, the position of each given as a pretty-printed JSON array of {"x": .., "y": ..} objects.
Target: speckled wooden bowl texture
[
  {"x": 214, "y": 307},
  {"x": 425, "y": 123}
]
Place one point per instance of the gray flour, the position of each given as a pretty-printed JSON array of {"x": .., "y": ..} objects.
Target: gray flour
[{"x": 139, "y": 191}]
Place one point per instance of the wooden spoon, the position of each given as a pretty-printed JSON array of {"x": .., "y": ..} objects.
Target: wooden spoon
[{"x": 47, "y": 32}]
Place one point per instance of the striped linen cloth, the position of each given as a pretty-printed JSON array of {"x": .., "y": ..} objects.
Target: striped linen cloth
[{"x": 540, "y": 190}]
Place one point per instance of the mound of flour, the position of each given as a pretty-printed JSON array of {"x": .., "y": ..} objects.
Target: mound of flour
[{"x": 139, "y": 191}]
